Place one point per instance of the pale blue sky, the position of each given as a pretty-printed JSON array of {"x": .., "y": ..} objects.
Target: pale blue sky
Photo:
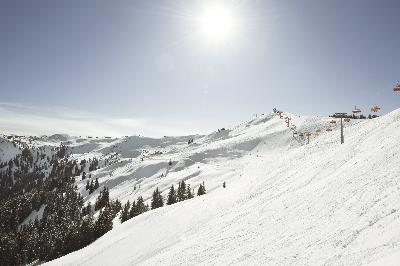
[{"x": 144, "y": 60}]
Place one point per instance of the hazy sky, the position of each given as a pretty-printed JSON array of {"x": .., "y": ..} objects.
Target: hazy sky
[{"x": 142, "y": 67}]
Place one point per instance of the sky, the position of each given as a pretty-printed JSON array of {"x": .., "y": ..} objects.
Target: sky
[{"x": 144, "y": 67}]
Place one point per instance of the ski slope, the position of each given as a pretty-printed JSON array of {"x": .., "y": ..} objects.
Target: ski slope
[{"x": 286, "y": 203}]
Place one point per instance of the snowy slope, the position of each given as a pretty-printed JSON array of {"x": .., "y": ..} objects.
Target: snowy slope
[
  {"x": 286, "y": 203},
  {"x": 7, "y": 149}
]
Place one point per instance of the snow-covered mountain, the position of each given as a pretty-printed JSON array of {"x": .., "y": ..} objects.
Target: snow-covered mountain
[{"x": 286, "y": 202}]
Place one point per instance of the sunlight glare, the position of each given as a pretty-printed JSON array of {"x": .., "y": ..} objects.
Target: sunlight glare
[{"x": 217, "y": 23}]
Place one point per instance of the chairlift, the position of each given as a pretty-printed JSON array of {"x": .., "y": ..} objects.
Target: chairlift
[
  {"x": 397, "y": 87},
  {"x": 376, "y": 109},
  {"x": 347, "y": 120},
  {"x": 356, "y": 110},
  {"x": 329, "y": 129},
  {"x": 333, "y": 121}
]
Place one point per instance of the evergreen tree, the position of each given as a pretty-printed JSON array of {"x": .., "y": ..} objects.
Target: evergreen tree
[
  {"x": 224, "y": 185},
  {"x": 142, "y": 208},
  {"x": 93, "y": 164},
  {"x": 116, "y": 206},
  {"x": 134, "y": 210},
  {"x": 66, "y": 225},
  {"x": 76, "y": 172},
  {"x": 201, "y": 190},
  {"x": 181, "y": 194},
  {"x": 87, "y": 230},
  {"x": 171, "y": 196},
  {"x": 138, "y": 207},
  {"x": 104, "y": 222},
  {"x": 87, "y": 210},
  {"x": 189, "y": 194},
  {"x": 157, "y": 200},
  {"x": 91, "y": 187},
  {"x": 96, "y": 184},
  {"x": 83, "y": 176},
  {"x": 125, "y": 212},
  {"x": 103, "y": 199}
]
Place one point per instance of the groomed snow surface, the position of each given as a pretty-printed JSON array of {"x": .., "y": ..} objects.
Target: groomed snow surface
[{"x": 286, "y": 202}]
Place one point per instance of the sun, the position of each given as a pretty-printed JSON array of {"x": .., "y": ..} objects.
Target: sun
[{"x": 217, "y": 23}]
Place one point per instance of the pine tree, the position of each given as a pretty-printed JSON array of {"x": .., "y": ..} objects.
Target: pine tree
[
  {"x": 224, "y": 185},
  {"x": 91, "y": 187},
  {"x": 171, "y": 196},
  {"x": 189, "y": 194},
  {"x": 133, "y": 211},
  {"x": 87, "y": 209},
  {"x": 87, "y": 185},
  {"x": 96, "y": 184},
  {"x": 142, "y": 208},
  {"x": 104, "y": 222},
  {"x": 103, "y": 199},
  {"x": 83, "y": 176},
  {"x": 116, "y": 206},
  {"x": 125, "y": 212},
  {"x": 181, "y": 194},
  {"x": 201, "y": 190},
  {"x": 157, "y": 200},
  {"x": 87, "y": 230}
]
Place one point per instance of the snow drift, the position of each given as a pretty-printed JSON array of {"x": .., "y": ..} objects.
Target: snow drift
[{"x": 286, "y": 203}]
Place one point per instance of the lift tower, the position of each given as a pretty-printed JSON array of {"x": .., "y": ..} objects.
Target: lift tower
[{"x": 341, "y": 116}]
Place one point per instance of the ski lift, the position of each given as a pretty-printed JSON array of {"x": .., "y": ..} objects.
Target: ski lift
[
  {"x": 347, "y": 120},
  {"x": 333, "y": 121},
  {"x": 375, "y": 109},
  {"x": 397, "y": 88},
  {"x": 329, "y": 129},
  {"x": 318, "y": 130},
  {"x": 301, "y": 135},
  {"x": 356, "y": 110}
]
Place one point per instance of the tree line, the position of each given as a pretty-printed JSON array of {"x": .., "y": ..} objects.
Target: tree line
[
  {"x": 33, "y": 180},
  {"x": 184, "y": 192},
  {"x": 66, "y": 224}
]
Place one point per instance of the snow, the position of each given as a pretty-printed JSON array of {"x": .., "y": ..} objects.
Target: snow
[
  {"x": 7, "y": 150},
  {"x": 391, "y": 260},
  {"x": 35, "y": 214},
  {"x": 286, "y": 203}
]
